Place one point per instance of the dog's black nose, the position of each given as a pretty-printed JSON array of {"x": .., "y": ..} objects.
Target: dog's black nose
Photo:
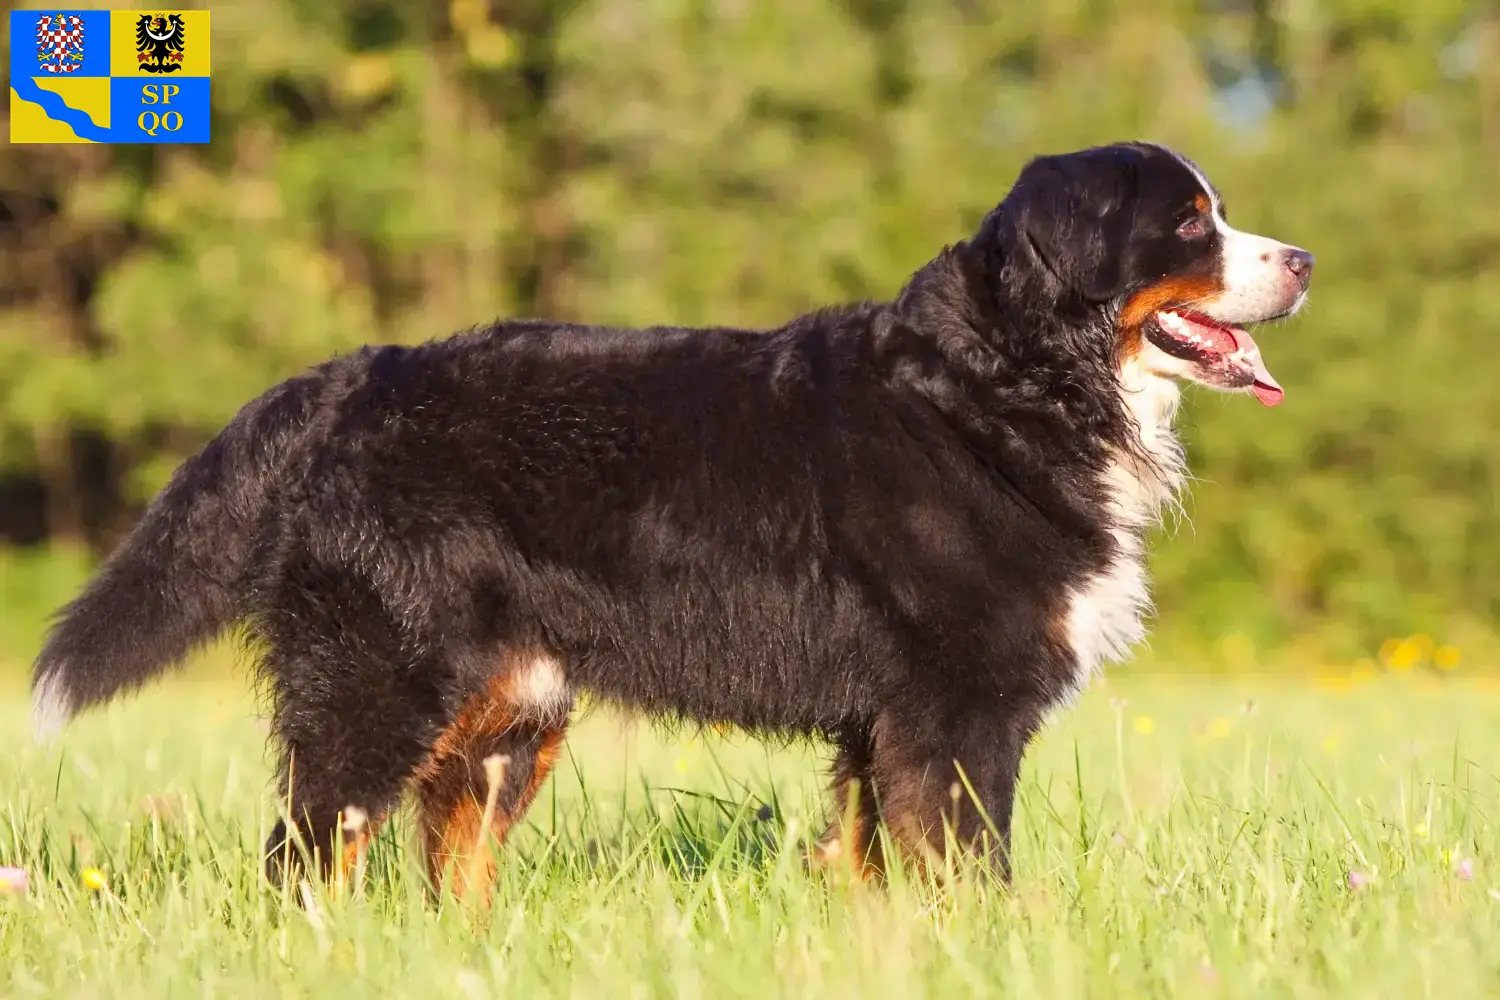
[{"x": 1300, "y": 263}]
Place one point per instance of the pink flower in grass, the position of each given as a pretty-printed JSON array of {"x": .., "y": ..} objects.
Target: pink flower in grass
[
  {"x": 1466, "y": 870},
  {"x": 14, "y": 880},
  {"x": 1358, "y": 880}
]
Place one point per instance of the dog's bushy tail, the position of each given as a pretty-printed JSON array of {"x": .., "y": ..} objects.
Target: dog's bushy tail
[{"x": 177, "y": 580}]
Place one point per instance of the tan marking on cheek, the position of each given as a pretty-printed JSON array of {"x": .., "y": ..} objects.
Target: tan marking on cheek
[
  {"x": 1177, "y": 289},
  {"x": 1129, "y": 344}
]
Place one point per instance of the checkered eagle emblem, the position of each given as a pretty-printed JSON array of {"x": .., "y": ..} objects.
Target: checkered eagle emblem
[{"x": 59, "y": 42}]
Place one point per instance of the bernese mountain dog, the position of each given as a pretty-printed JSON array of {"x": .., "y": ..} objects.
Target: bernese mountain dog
[{"x": 910, "y": 527}]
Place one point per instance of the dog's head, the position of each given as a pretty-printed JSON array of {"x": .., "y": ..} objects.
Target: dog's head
[{"x": 1137, "y": 232}]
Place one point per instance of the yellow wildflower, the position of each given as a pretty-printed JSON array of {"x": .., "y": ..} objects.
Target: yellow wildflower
[
  {"x": 93, "y": 879},
  {"x": 1145, "y": 725},
  {"x": 1404, "y": 655},
  {"x": 1218, "y": 728}
]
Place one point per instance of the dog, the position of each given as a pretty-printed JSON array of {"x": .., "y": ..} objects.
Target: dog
[{"x": 911, "y": 528}]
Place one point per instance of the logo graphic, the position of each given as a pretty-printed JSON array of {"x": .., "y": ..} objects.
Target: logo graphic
[
  {"x": 119, "y": 76},
  {"x": 158, "y": 39},
  {"x": 59, "y": 42}
]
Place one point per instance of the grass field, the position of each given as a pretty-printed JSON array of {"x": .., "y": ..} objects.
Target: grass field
[{"x": 1173, "y": 839}]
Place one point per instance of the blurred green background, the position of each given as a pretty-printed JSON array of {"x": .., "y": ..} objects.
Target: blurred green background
[{"x": 394, "y": 171}]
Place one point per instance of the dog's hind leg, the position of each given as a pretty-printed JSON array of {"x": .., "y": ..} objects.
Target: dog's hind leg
[
  {"x": 486, "y": 769},
  {"x": 481, "y": 778},
  {"x": 358, "y": 706}
]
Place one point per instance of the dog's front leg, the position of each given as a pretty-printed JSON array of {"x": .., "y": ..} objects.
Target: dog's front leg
[{"x": 951, "y": 781}]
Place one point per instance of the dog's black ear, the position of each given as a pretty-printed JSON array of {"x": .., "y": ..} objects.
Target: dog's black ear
[{"x": 1074, "y": 214}]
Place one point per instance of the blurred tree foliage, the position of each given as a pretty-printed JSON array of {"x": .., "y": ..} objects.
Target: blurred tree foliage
[{"x": 393, "y": 171}]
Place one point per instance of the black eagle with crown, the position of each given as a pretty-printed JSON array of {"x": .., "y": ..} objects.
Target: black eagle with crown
[{"x": 158, "y": 42}]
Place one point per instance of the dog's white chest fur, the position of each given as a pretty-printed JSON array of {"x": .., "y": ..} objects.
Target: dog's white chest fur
[{"x": 1106, "y": 613}]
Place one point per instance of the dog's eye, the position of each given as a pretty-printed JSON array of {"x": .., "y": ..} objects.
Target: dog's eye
[{"x": 1192, "y": 229}]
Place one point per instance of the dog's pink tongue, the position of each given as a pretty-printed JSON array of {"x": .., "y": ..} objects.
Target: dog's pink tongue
[{"x": 1265, "y": 387}]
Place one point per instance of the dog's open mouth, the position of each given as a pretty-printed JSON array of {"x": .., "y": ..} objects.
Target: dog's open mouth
[{"x": 1228, "y": 353}]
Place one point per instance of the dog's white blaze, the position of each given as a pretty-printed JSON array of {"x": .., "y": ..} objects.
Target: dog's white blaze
[
  {"x": 1254, "y": 272},
  {"x": 1106, "y": 615},
  {"x": 540, "y": 687}
]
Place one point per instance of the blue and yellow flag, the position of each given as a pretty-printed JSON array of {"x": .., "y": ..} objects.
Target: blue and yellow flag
[{"x": 109, "y": 76}]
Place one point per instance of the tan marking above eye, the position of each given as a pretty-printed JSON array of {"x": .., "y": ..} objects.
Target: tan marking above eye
[{"x": 1201, "y": 203}]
